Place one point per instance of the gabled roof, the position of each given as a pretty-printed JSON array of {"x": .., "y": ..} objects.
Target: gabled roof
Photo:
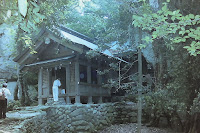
[
  {"x": 83, "y": 40},
  {"x": 67, "y": 34}
]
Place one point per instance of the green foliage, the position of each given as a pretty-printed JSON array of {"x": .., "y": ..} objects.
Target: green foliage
[
  {"x": 28, "y": 43},
  {"x": 22, "y": 4},
  {"x": 195, "y": 108},
  {"x": 172, "y": 26},
  {"x": 141, "y": 46},
  {"x": 13, "y": 105},
  {"x": 163, "y": 103}
]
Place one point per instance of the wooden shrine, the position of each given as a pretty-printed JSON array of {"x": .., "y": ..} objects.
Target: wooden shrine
[{"x": 65, "y": 57}]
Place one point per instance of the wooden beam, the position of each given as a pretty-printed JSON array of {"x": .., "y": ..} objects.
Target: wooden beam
[{"x": 71, "y": 46}]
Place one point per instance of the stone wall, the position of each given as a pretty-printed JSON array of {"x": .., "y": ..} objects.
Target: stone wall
[{"x": 83, "y": 118}]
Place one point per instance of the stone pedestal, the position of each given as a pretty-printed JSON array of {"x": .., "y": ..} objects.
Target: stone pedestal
[{"x": 61, "y": 101}]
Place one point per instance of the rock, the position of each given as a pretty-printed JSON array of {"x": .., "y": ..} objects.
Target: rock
[
  {"x": 104, "y": 122},
  {"x": 77, "y": 118},
  {"x": 83, "y": 128},
  {"x": 77, "y": 112},
  {"x": 79, "y": 123}
]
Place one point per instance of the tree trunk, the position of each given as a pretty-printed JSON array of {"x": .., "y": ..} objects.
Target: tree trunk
[
  {"x": 194, "y": 124},
  {"x": 26, "y": 95},
  {"x": 16, "y": 93}
]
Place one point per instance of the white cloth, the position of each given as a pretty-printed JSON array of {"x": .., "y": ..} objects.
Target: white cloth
[
  {"x": 56, "y": 84},
  {"x": 6, "y": 92}
]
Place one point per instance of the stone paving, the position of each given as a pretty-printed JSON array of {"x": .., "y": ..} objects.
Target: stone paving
[{"x": 15, "y": 119}]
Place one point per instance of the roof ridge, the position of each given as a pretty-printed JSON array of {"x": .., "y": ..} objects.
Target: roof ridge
[{"x": 77, "y": 34}]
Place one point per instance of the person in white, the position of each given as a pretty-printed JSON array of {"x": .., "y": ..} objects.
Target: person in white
[
  {"x": 56, "y": 84},
  {"x": 3, "y": 102}
]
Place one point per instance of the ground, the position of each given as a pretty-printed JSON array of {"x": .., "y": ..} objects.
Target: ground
[
  {"x": 15, "y": 119},
  {"x": 9, "y": 125},
  {"x": 132, "y": 128}
]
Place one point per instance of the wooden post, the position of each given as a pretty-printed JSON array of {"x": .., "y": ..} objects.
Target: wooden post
[
  {"x": 99, "y": 82},
  {"x": 140, "y": 84},
  {"x": 19, "y": 82},
  {"x": 77, "y": 80},
  {"x": 40, "y": 76},
  {"x": 67, "y": 68}
]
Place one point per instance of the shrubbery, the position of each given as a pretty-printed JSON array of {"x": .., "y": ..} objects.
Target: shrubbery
[
  {"x": 162, "y": 103},
  {"x": 195, "y": 108},
  {"x": 13, "y": 105}
]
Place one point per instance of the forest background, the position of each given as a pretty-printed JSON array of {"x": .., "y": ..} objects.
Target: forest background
[{"x": 172, "y": 27}]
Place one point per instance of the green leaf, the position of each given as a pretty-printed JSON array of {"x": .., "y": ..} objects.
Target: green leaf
[
  {"x": 37, "y": 20},
  {"x": 164, "y": 8},
  {"x": 24, "y": 28},
  {"x": 183, "y": 40},
  {"x": 147, "y": 39},
  {"x": 141, "y": 46},
  {"x": 34, "y": 4},
  {"x": 182, "y": 32},
  {"x": 36, "y": 10},
  {"x": 23, "y": 5},
  {"x": 191, "y": 16},
  {"x": 32, "y": 25},
  {"x": 173, "y": 18},
  {"x": 9, "y": 13},
  {"x": 197, "y": 16}
]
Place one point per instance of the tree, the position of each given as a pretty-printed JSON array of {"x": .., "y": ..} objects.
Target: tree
[{"x": 170, "y": 28}]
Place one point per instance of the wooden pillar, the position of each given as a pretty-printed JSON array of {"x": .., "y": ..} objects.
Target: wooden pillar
[
  {"x": 40, "y": 87},
  {"x": 48, "y": 84},
  {"x": 20, "y": 84},
  {"x": 77, "y": 80},
  {"x": 89, "y": 81},
  {"x": 99, "y": 82},
  {"x": 67, "y": 68}
]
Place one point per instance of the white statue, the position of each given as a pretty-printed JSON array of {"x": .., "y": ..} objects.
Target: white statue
[{"x": 56, "y": 84}]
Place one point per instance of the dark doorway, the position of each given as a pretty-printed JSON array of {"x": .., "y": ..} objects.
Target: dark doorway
[{"x": 60, "y": 72}]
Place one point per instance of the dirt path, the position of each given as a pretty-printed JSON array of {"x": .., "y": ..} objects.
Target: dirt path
[
  {"x": 9, "y": 125},
  {"x": 15, "y": 119},
  {"x": 132, "y": 128}
]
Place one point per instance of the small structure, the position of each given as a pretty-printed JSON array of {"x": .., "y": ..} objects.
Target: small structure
[{"x": 65, "y": 58}]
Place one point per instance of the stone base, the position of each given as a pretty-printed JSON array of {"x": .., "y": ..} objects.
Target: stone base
[{"x": 61, "y": 101}]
